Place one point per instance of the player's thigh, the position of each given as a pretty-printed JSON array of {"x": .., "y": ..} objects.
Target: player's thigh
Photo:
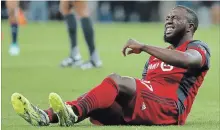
[
  {"x": 125, "y": 84},
  {"x": 65, "y": 7},
  {"x": 108, "y": 116},
  {"x": 126, "y": 87},
  {"x": 81, "y": 8},
  {"x": 12, "y": 6}
]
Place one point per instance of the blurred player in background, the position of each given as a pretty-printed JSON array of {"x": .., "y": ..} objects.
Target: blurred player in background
[
  {"x": 16, "y": 18},
  {"x": 164, "y": 96},
  {"x": 12, "y": 7},
  {"x": 81, "y": 9}
]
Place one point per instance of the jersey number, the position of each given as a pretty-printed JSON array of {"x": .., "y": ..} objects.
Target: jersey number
[{"x": 147, "y": 84}]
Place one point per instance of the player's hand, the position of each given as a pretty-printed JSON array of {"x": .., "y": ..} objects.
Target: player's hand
[{"x": 134, "y": 46}]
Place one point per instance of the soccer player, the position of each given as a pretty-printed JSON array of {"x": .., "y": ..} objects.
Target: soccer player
[
  {"x": 164, "y": 96},
  {"x": 12, "y": 7},
  {"x": 82, "y": 10}
]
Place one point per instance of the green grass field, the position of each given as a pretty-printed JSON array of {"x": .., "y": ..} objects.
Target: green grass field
[{"x": 36, "y": 72}]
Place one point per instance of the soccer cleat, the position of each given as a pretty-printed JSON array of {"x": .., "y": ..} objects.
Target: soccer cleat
[
  {"x": 65, "y": 113},
  {"x": 91, "y": 64},
  {"x": 14, "y": 49},
  {"x": 28, "y": 111},
  {"x": 67, "y": 62}
]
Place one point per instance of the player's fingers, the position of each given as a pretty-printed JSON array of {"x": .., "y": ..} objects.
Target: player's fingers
[
  {"x": 124, "y": 49},
  {"x": 130, "y": 52}
]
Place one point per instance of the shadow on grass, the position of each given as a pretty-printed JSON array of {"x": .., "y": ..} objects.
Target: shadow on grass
[{"x": 89, "y": 125}]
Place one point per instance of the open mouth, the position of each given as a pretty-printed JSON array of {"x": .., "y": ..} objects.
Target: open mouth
[{"x": 169, "y": 29}]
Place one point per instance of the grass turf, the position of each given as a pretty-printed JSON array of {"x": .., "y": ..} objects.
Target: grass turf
[{"x": 36, "y": 72}]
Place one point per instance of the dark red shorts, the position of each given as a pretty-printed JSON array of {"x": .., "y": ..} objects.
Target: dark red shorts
[{"x": 151, "y": 109}]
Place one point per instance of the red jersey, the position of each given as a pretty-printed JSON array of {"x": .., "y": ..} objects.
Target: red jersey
[{"x": 177, "y": 83}]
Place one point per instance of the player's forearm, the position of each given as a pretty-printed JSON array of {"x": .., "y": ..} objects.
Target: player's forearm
[{"x": 172, "y": 57}]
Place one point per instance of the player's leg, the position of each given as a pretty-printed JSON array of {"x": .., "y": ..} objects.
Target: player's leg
[
  {"x": 69, "y": 17},
  {"x": 28, "y": 111},
  {"x": 108, "y": 116},
  {"x": 112, "y": 115},
  {"x": 82, "y": 10},
  {"x": 113, "y": 88},
  {"x": 53, "y": 118},
  {"x": 12, "y": 7},
  {"x": 65, "y": 117}
]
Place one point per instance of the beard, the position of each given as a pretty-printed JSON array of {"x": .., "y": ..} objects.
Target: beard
[{"x": 175, "y": 38}]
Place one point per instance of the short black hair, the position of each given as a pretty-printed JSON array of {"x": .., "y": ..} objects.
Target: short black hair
[{"x": 191, "y": 16}]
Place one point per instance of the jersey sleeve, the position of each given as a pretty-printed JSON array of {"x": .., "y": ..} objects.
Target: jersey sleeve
[
  {"x": 144, "y": 73},
  {"x": 203, "y": 49}
]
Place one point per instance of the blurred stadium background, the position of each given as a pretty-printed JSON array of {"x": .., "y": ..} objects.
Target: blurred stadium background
[
  {"x": 120, "y": 11},
  {"x": 44, "y": 42}
]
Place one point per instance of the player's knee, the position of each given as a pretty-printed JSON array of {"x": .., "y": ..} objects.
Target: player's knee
[
  {"x": 65, "y": 10},
  {"x": 82, "y": 14},
  {"x": 115, "y": 77},
  {"x": 125, "y": 84},
  {"x": 11, "y": 12},
  {"x": 81, "y": 8}
]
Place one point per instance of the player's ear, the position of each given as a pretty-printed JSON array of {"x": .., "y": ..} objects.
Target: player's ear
[{"x": 191, "y": 27}]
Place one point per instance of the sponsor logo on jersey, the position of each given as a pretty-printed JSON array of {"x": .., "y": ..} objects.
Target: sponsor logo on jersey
[{"x": 162, "y": 65}]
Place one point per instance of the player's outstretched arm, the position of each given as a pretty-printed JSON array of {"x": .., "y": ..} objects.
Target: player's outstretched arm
[{"x": 189, "y": 59}]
